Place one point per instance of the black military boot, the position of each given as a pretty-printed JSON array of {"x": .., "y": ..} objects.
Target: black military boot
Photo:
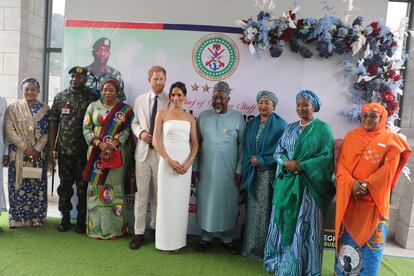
[
  {"x": 80, "y": 223},
  {"x": 64, "y": 225}
]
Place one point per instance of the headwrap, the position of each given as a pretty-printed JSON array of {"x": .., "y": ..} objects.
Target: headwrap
[
  {"x": 377, "y": 157},
  {"x": 378, "y": 108},
  {"x": 32, "y": 80},
  {"x": 311, "y": 97},
  {"x": 268, "y": 95},
  {"x": 113, "y": 81},
  {"x": 222, "y": 86}
]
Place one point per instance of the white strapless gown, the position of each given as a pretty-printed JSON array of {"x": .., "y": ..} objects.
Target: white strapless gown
[{"x": 173, "y": 189}]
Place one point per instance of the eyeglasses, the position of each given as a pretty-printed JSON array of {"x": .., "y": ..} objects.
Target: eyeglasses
[{"x": 369, "y": 116}]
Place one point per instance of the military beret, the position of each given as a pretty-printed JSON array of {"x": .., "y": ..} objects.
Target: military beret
[
  {"x": 78, "y": 70},
  {"x": 103, "y": 41}
]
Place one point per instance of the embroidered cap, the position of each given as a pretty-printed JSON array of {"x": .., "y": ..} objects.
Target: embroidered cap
[{"x": 222, "y": 86}]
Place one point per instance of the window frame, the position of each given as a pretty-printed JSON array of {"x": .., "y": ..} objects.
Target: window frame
[{"x": 48, "y": 50}]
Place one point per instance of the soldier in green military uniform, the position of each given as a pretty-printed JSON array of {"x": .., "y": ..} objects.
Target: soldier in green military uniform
[
  {"x": 98, "y": 70},
  {"x": 66, "y": 118}
]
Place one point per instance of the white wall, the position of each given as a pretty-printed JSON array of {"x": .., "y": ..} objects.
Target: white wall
[
  {"x": 211, "y": 12},
  {"x": 21, "y": 44}
]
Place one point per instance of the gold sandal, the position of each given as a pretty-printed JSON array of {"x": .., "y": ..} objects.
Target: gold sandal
[
  {"x": 36, "y": 223},
  {"x": 13, "y": 224}
]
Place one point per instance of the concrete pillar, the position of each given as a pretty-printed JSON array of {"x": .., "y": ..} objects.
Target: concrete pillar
[
  {"x": 403, "y": 195},
  {"x": 22, "y": 27}
]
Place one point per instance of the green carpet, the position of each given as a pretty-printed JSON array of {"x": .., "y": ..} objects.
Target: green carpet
[{"x": 47, "y": 252}]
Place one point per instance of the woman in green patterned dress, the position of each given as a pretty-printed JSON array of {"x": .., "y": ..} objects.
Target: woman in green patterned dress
[{"x": 106, "y": 128}]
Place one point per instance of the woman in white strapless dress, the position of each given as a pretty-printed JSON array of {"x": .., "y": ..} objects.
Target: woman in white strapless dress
[{"x": 175, "y": 139}]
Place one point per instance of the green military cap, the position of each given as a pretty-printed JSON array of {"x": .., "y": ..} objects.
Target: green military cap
[
  {"x": 103, "y": 41},
  {"x": 78, "y": 70}
]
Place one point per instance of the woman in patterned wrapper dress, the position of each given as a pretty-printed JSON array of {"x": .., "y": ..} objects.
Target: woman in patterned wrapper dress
[
  {"x": 258, "y": 172},
  {"x": 26, "y": 127},
  {"x": 303, "y": 190},
  {"x": 106, "y": 128}
]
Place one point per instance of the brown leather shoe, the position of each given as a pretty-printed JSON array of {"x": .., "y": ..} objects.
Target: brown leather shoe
[{"x": 136, "y": 242}]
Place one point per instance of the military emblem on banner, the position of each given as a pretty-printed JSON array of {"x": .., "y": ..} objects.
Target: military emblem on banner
[{"x": 215, "y": 57}]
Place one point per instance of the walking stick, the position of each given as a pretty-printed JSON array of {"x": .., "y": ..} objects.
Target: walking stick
[
  {"x": 53, "y": 172},
  {"x": 55, "y": 157}
]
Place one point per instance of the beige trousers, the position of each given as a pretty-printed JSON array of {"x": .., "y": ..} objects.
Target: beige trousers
[{"x": 146, "y": 173}]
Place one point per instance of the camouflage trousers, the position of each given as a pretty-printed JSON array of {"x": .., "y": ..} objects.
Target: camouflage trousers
[{"x": 70, "y": 172}]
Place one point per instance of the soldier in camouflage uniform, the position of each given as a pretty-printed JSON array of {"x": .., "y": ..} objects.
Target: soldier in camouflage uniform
[
  {"x": 98, "y": 71},
  {"x": 66, "y": 118}
]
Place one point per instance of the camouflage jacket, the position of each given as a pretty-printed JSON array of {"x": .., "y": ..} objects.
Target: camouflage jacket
[
  {"x": 68, "y": 110},
  {"x": 95, "y": 83}
]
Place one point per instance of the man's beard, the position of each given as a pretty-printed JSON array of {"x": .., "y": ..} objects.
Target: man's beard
[{"x": 158, "y": 89}]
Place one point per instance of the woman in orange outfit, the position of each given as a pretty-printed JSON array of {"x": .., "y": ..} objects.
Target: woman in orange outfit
[{"x": 370, "y": 161}]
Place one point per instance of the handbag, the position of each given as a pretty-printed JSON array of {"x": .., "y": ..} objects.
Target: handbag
[
  {"x": 31, "y": 169},
  {"x": 114, "y": 162}
]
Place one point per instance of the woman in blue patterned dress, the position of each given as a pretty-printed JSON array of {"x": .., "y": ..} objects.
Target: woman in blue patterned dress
[
  {"x": 258, "y": 172},
  {"x": 303, "y": 190},
  {"x": 26, "y": 127}
]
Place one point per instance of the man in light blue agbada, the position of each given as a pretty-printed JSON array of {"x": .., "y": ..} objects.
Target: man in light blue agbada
[{"x": 218, "y": 169}]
